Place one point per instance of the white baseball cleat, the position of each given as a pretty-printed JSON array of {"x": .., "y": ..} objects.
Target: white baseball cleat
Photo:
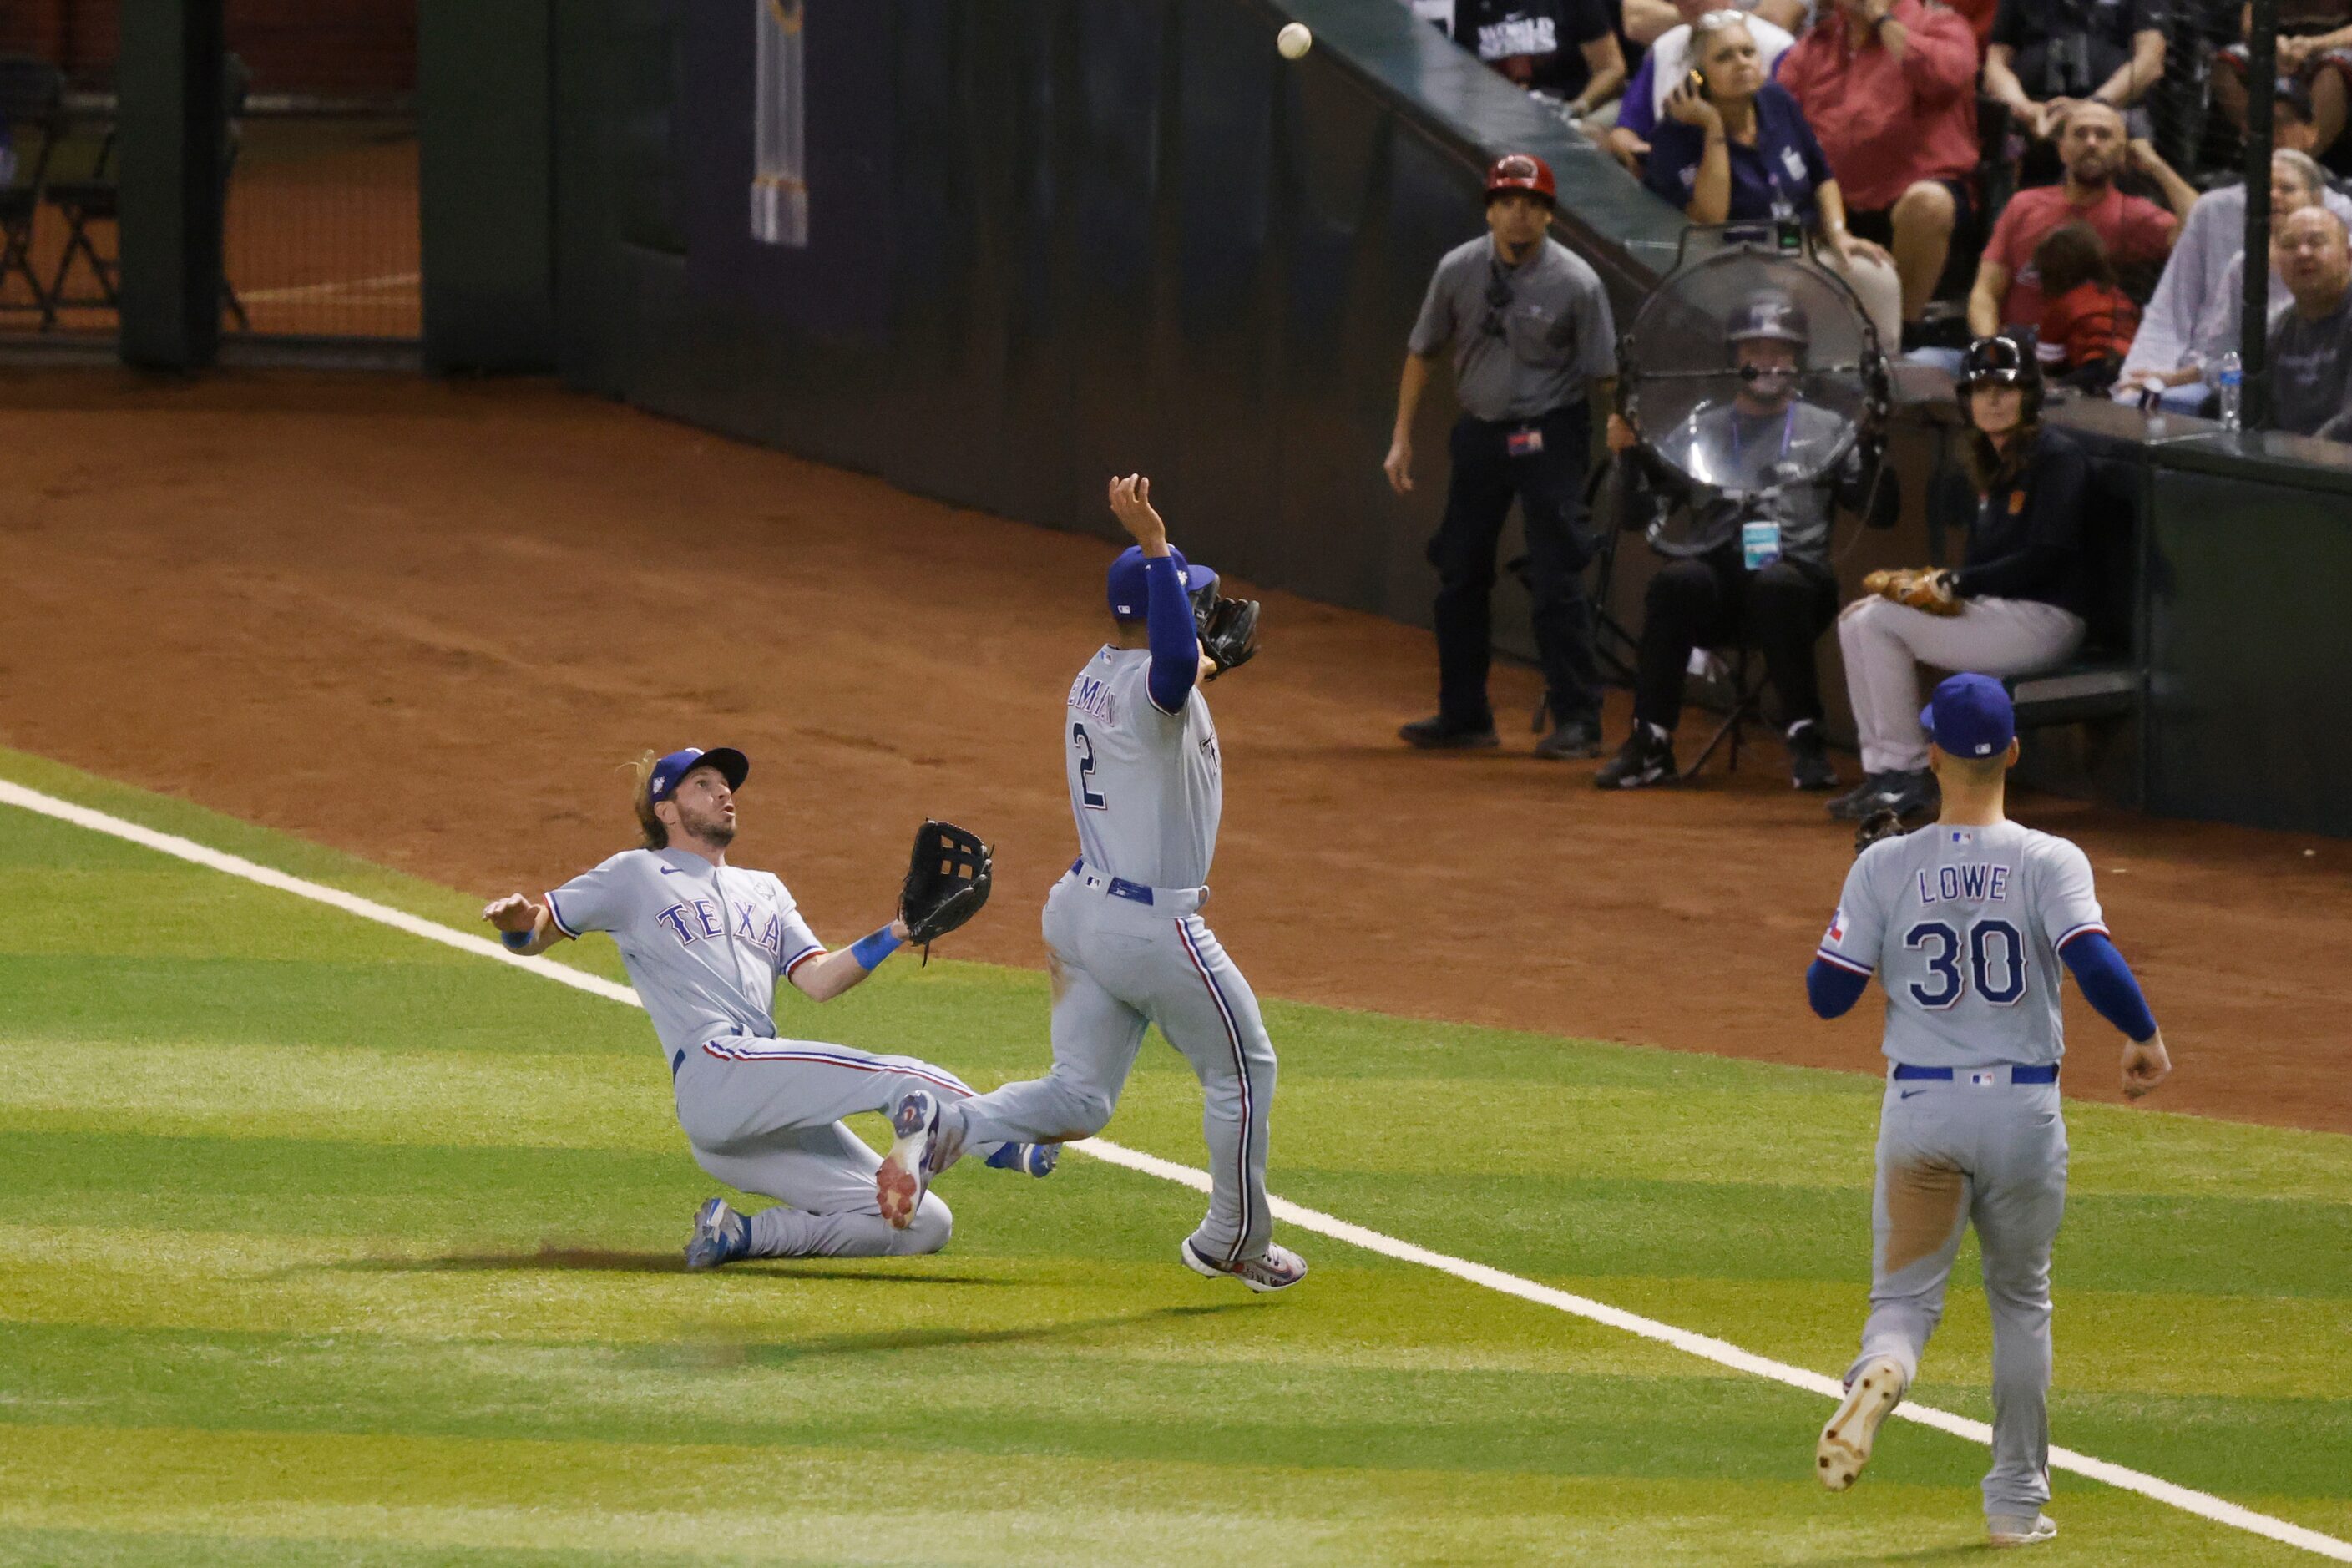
[
  {"x": 1844, "y": 1447},
  {"x": 1279, "y": 1269},
  {"x": 2002, "y": 1529}
]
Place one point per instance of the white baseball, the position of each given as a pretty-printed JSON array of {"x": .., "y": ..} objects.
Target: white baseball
[{"x": 1294, "y": 41}]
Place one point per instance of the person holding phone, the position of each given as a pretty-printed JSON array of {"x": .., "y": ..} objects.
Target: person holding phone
[{"x": 1733, "y": 146}]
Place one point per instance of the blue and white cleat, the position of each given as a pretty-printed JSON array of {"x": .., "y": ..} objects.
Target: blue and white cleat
[
  {"x": 720, "y": 1235},
  {"x": 1279, "y": 1269},
  {"x": 1029, "y": 1159},
  {"x": 930, "y": 1139}
]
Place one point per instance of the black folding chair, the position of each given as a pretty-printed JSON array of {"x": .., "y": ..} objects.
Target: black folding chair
[
  {"x": 94, "y": 195},
  {"x": 88, "y": 196},
  {"x": 1744, "y": 690},
  {"x": 31, "y": 98}
]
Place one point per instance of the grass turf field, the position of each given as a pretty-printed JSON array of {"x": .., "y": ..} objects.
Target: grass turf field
[{"x": 321, "y": 1244}]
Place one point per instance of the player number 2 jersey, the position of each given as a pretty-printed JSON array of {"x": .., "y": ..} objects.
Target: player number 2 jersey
[
  {"x": 704, "y": 944},
  {"x": 1962, "y": 926},
  {"x": 1147, "y": 788}
]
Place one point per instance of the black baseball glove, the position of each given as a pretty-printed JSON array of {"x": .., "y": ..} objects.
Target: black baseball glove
[
  {"x": 1883, "y": 823},
  {"x": 947, "y": 883},
  {"x": 1229, "y": 633}
]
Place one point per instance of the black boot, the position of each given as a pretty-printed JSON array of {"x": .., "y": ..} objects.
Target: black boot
[
  {"x": 1646, "y": 757},
  {"x": 1809, "y": 757},
  {"x": 1910, "y": 794},
  {"x": 1862, "y": 799},
  {"x": 1443, "y": 734}
]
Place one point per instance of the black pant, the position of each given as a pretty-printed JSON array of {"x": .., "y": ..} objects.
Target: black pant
[
  {"x": 1549, "y": 485},
  {"x": 1713, "y": 601}
]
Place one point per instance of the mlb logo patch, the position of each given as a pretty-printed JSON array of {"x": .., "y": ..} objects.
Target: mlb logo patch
[
  {"x": 1960, "y": 836},
  {"x": 1983, "y": 1079}
]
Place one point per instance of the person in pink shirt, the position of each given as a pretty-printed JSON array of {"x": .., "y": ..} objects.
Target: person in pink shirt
[
  {"x": 1889, "y": 88},
  {"x": 2008, "y": 289}
]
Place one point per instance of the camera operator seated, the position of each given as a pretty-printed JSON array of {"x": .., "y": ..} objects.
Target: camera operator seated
[
  {"x": 1763, "y": 575},
  {"x": 2014, "y": 608}
]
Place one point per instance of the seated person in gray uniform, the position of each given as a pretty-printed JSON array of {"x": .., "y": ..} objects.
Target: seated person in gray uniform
[
  {"x": 1966, "y": 924},
  {"x": 1124, "y": 935},
  {"x": 704, "y": 943},
  {"x": 1760, "y": 570}
]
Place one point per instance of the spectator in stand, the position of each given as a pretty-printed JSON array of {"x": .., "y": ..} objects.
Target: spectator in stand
[
  {"x": 1739, "y": 147},
  {"x": 2311, "y": 345},
  {"x": 1565, "y": 51},
  {"x": 2046, "y": 56},
  {"x": 2136, "y": 231},
  {"x": 1664, "y": 66},
  {"x": 2314, "y": 51},
  {"x": 1889, "y": 85},
  {"x": 2192, "y": 318},
  {"x": 1647, "y": 21},
  {"x": 2086, "y": 327}
]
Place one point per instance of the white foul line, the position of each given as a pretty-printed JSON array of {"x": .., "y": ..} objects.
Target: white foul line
[{"x": 1720, "y": 1352}]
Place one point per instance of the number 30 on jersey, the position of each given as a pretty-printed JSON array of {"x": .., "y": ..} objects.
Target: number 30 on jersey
[{"x": 1996, "y": 963}]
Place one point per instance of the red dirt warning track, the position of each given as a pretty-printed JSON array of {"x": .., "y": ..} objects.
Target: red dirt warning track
[{"x": 424, "y": 623}]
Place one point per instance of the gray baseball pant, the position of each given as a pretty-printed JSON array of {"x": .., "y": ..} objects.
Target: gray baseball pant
[
  {"x": 1119, "y": 964},
  {"x": 764, "y": 1116},
  {"x": 1885, "y": 643},
  {"x": 1994, "y": 1155}
]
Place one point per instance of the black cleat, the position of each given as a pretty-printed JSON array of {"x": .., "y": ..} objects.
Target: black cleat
[
  {"x": 1443, "y": 734},
  {"x": 1809, "y": 758},
  {"x": 1646, "y": 757},
  {"x": 1580, "y": 739},
  {"x": 1862, "y": 799},
  {"x": 1909, "y": 794}
]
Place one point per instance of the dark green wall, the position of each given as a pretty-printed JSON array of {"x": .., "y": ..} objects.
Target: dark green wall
[
  {"x": 169, "y": 74},
  {"x": 486, "y": 135}
]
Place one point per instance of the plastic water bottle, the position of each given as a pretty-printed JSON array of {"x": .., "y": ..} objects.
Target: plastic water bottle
[{"x": 2231, "y": 377}]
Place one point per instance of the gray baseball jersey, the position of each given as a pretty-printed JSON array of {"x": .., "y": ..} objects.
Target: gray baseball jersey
[
  {"x": 704, "y": 944},
  {"x": 1963, "y": 926},
  {"x": 1526, "y": 339},
  {"x": 1147, "y": 788}
]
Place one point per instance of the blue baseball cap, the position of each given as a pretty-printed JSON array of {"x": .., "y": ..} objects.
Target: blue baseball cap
[
  {"x": 1970, "y": 716},
  {"x": 671, "y": 771},
  {"x": 1126, "y": 584}
]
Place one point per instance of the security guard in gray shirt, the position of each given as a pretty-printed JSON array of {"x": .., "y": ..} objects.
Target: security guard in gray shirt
[{"x": 1530, "y": 330}]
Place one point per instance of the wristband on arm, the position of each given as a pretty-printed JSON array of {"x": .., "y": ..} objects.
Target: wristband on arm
[
  {"x": 516, "y": 940},
  {"x": 870, "y": 950}
]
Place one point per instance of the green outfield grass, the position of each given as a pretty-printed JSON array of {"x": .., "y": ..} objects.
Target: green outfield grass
[{"x": 321, "y": 1243}]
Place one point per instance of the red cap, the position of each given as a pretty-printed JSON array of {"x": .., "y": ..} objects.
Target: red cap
[{"x": 1521, "y": 171}]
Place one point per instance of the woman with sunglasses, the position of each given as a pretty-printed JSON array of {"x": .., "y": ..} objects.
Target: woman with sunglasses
[{"x": 1733, "y": 146}]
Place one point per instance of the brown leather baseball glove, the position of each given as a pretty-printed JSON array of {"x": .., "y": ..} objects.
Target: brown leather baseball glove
[{"x": 1928, "y": 588}]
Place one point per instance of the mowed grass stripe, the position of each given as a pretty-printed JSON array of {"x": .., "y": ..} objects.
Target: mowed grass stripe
[
  {"x": 858, "y": 1504},
  {"x": 1303, "y": 1087}
]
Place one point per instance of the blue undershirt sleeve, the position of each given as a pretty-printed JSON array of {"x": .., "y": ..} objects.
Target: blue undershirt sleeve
[
  {"x": 2107, "y": 984},
  {"x": 1832, "y": 991},
  {"x": 1175, "y": 641}
]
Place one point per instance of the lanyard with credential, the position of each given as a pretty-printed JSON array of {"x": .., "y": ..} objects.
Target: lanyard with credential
[{"x": 1787, "y": 428}]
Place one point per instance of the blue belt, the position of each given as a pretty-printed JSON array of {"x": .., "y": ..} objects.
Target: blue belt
[
  {"x": 676, "y": 1062},
  {"x": 1120, "y": 888},
  {"x": 1945, "y": 1075}
]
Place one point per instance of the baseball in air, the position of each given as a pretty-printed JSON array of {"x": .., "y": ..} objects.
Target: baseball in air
[{"x": 1294, "y": 41}]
